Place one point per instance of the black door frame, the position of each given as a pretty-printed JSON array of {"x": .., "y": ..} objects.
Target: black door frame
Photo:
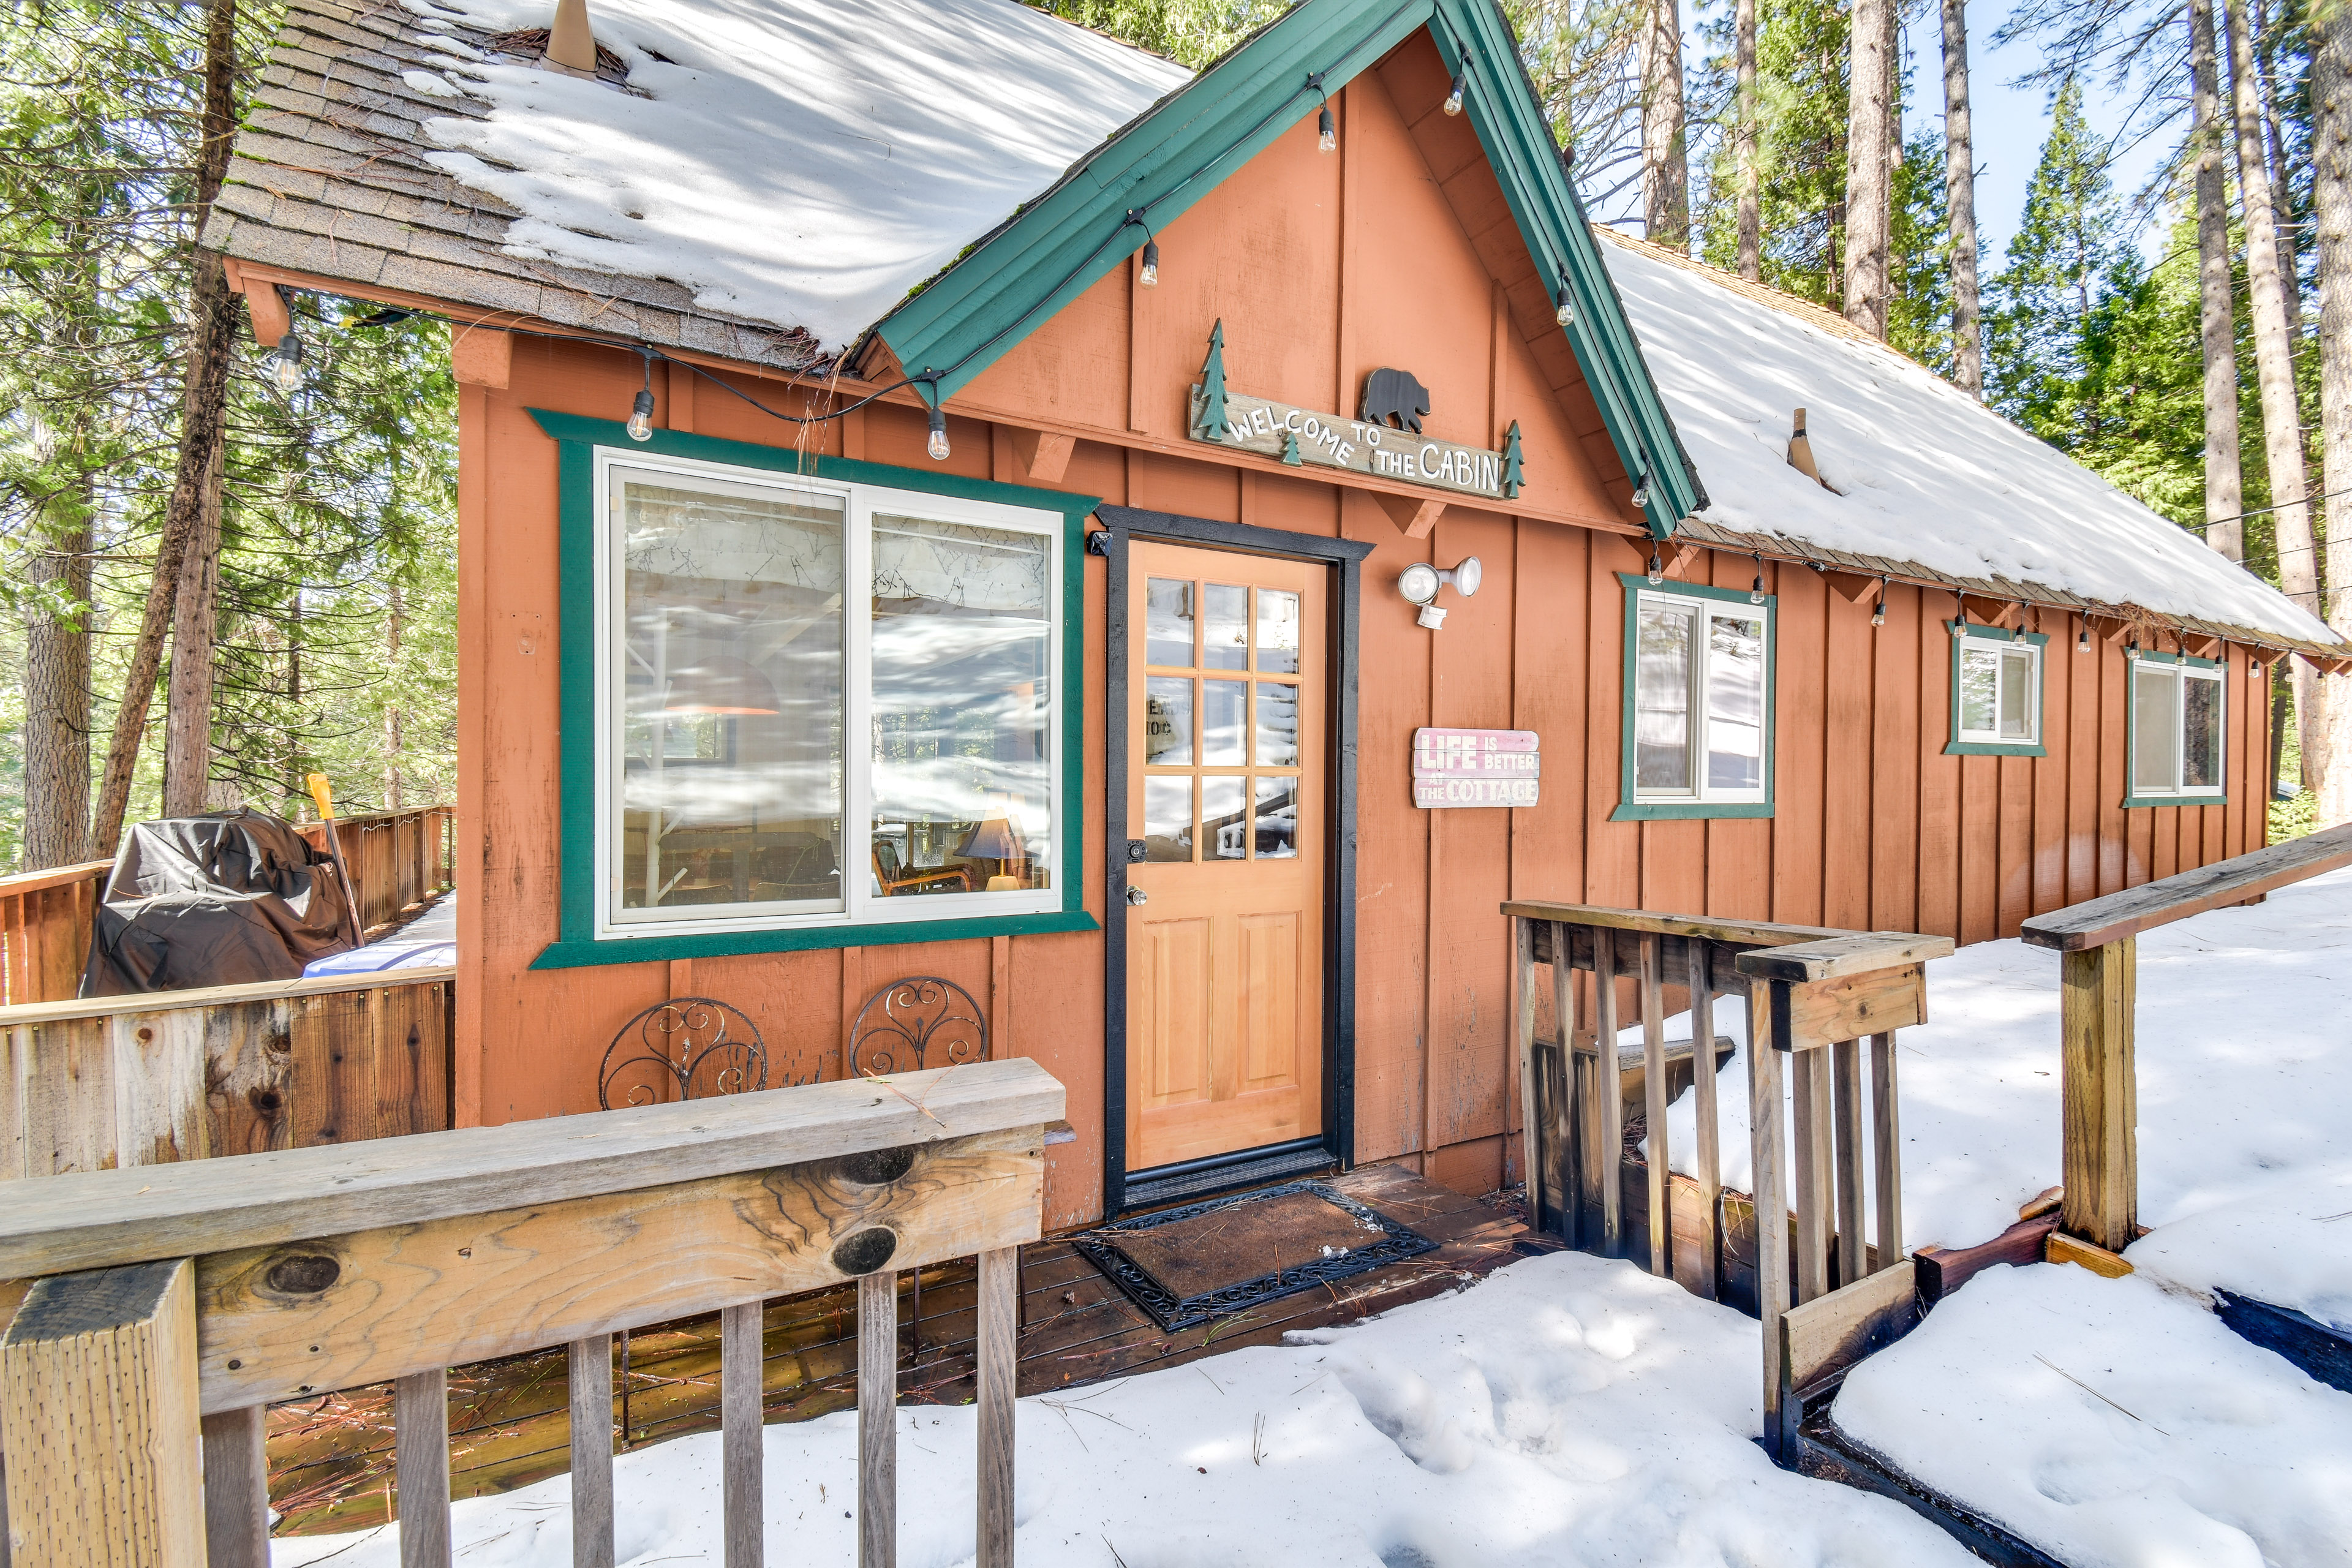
[{"x": 1123, "y": 1192}]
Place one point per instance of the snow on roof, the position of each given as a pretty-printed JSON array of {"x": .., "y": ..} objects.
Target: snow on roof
[
  {"x": 1926, "y": 473},
  {"x": 788, "y": 161}
]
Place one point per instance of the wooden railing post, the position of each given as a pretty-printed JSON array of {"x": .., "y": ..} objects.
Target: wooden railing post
[
  {"x": 420, "y": 1462},
  {"x": 1000, "y": 1286},
  {"x": 590, "y": 1368},
  {"x": 1609, "y": 1138},
  {"x": 1654, "y": 1103},
  {"x": 237, "y": 1489},
  {"x": 98, "y": 1419},
  {"x": 877, "y": 1420},
  {"x": 743, "y": 1433},
  {"x": 1770, "y": 1155},
  {"x": 2098, "y": 1095},
  {"x": 1711, "y": 1134}
]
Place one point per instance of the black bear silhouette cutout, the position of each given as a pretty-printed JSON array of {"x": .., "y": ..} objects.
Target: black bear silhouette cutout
[{"x": 1394, "y": 395}]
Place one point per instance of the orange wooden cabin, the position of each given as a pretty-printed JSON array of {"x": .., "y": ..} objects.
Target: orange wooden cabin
[{"x": 1106, "y": 709}]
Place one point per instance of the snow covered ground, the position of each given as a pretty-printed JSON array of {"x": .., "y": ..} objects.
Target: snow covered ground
[
  {"x": 2244, "y": 1043},
  {"x": 1566, "y": 1410},
  {"x": 2110, "y": 1422}
]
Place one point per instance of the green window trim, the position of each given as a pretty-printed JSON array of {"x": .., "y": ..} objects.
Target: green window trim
[
  {"x": 2134, "y": 800},
  {"x": 1955, "y": 747},
  {"x": 1629, "y": 809},
  {"x": 577, "y": 441}
]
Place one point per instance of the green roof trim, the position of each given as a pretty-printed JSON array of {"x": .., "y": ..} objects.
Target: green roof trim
[{"x": 1059, "y": 246}]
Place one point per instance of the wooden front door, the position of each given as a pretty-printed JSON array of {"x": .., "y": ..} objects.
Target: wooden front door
[{"x": 1227, "y": 790}]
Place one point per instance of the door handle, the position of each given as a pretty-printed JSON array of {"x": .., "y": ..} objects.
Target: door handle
[{"x": 1138, "y": 896}]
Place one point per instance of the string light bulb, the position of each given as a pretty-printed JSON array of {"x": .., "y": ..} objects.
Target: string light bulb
[
  {"x": 1657, "y": 571},
  {"x": 287, "y": 368},
  {"x": 641, "y": 408},
  {"x": 1327, "y": 129},
  {"x": 2082, "y": 639},
  {"x": 1641, "y": 494},
  {"x": 1756, "y": 590},
  {"x": 1566, "y": 314},
  {"x": 1960, "y": 623},
  {"x": 1878, "y": 610},
  {"x": 938, "y": 445},
  {"x": 1150, "y": 277},
  {"x": 1454, "y": 97}
]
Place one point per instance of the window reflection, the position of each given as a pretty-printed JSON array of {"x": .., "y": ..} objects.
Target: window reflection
[
  {"x": 1168, "y": 819},
  {"x": 1735, "y": 703},
  {"x": 1224, "y": 642},
  {"x": 1224, "y": 721},
  {"x": 2200, "y": 747},
  {"x": 1662, "y": 700},
  {"x": 2156, "y": 729},
  {"x": 1224, "y": 820},
  {"x": 1168, "y": 622},
  {"x": 730, "y": 787},
  {"x": 1278, "y": 631},
  {"x": 960, "y": 643},
  {"x": 1278, "y": 724},
  {"x": 1167, "y": 722},
  {"x": 1274, "y": 824}
]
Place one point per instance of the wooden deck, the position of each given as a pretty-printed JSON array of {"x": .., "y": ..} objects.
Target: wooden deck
[{"x": 330, "y": 1459}]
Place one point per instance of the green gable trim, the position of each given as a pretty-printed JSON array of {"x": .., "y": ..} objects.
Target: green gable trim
[
  {"x": 577, "y": 440},
  {"x": 1964, "y": 631},
  {"x": 1179, "y": 151},
  {"x": 1629, "y": 809},
  {"x": 2131, "y": 734}
]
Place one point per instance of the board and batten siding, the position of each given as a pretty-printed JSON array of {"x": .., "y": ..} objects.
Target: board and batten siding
[{"x": 1874, "y": 828}]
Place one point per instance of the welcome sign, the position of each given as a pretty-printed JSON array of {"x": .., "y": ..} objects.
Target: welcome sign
[{"x": 1301, "y": 437}]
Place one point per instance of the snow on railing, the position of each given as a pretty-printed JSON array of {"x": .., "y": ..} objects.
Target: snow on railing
[
  {"x": 168, "y": 1306},
  {"x": 1812, "y": 992}
]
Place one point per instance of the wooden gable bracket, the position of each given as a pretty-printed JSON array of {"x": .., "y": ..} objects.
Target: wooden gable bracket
[
  {"x": 1044, "y": 455},
  {"x": 1856, "y": 586},
  {"x": 1414, "y": 515},
  {"x": 2109, "y": 628},
  {"x": 1991, "y": 612},
  {"x": 2200, "y": 645},
  {"x": 1685, "y": 554}
]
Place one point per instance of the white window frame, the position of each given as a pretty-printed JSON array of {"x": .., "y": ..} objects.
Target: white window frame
[
  {"x": 861, "y": 906},
  {"x": 1701, "y": 793},
  {"x": 2000, "y": 646},
  {"x": 2181, "y": 669}
]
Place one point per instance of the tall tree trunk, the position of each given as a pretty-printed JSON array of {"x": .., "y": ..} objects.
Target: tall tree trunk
[
  {"x": 2275, "y": 372},
  {"x": 212, "y": 332},
  {"x": 2225, "y": 528},
  {"x": 2275, "y": 152},
  {"x": 1960, "y": 203},
  {"x": 1868, "y": 185},
  {"x": 1665, "y": 166},
  {"x": 396, "y": 621},
  {"x": 188, "y": 708},
  {"x": 1749, "y": 152},
  {"x": 2331, "y": 104},
  {"x": 57, "y": 689}
]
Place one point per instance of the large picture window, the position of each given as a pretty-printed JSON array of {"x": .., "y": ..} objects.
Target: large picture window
[
  {"x": 2175, "y": 746},
  {"x": 821, "y": 703},
  {"x": 1699, "y": 702},
  {"x": 1996, "y": 691}
]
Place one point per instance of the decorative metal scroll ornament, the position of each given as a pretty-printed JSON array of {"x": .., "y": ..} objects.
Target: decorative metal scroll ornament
[
  {"x": 918, "y": 1014},
  {"x": 689, "y": 1047}
]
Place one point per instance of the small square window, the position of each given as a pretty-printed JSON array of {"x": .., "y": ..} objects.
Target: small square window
[
  {"x": 2177, "y": 719},
  {"x": 1698, "y": 703},
  {"x": 1996, "y": 692}
]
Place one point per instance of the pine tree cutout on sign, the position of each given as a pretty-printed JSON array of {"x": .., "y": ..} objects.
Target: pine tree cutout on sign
[
  {"x": 1213, "y": 425},
  {"x": 1290, "y": 451},
  {"x": 1511, "y": 477}
]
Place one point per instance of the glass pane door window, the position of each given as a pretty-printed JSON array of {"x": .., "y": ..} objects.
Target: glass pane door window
[
  {"x": 822, "y": 703},
  {"x": 1999, "y": 687},
  {"x": 1222, "y": 761},
  {"x": 1700, "y": 707},
  {"x": 2177, "y": 719}
]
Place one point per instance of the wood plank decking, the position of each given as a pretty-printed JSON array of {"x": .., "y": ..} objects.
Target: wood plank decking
[{"x": 330, "y": 1459}]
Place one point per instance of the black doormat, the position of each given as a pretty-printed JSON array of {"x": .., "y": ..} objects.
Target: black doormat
[{"x": 1185, "y": 1265}]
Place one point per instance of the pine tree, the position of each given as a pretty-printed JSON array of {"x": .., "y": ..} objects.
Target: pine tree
[
  {"x": 2067, "y": 254},
  {"x": 1212, "y": 425}
]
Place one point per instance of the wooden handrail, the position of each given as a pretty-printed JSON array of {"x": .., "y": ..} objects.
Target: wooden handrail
[
  {"x": 2095, "y": 923},
  {"x": 220, "y": 995},
  {"x": 1758, "y": 933},
  {"x": 55, "y": 876},
  {"x": 165, "y": 1317},
  {"x": 1843, "y": 955},
  {"x": 100, "y": 1218}
]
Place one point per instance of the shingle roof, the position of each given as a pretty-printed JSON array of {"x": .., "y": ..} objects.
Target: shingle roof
[{"x": 330, "y": 180}]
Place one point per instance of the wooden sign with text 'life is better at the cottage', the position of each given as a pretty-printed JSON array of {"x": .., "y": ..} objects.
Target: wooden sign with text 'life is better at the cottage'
[{"x": 1475, "y": 767}]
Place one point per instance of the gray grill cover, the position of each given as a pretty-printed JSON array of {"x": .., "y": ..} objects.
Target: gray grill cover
[{"x": 222, "y": 900}]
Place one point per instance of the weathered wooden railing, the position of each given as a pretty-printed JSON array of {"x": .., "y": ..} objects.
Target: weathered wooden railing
[
  {"x": 2099, "y": 963},
  {"x": 228, "y": 1069},
  {"x": 45, "y": 928},
  {"x": 169, "y": 1306},
  {"x": 396, "y": 858},
  {"x": 1812, "y": 992}
]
